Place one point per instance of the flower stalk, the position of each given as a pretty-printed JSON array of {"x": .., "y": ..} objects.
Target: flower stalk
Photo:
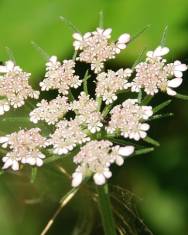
[{"x": 106, "y": 210}]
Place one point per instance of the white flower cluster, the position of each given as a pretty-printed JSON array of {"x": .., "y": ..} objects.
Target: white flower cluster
[
  {"x": 108, "y": 84},
  {"x": 60, "y": 76},
  {"x": 96, "y": 158},
  {"x": 67, "y": 135},
  {"x": 50, "y": 112},
  {"x": 24, "y": 148},
  {"x": 154, "y": 74},
  {"x": 128, "y": 118},
  {"x": 95, "y": 47},
  {"x": 83, "y": 122},
  {"x": 86, "y": 112},
  {"x": 14, "y": 87}
]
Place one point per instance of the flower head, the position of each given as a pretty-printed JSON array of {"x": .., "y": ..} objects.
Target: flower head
[
  {"x": 24, "y": 148},
  {"x": 154, "y": 74},
  {"x": 96, "y": 158},
  {"x": 67, "y": 135},
  {"x": 95, "y": 47},
  {"x": 108, "y": 84},
  {"x": 60, "y": 76},
  {"x": 14, "y": 87},
  {"x": 129, "y": 118},
  {"x": 86, "y": 112},
  {"x": 51, "y": 111}
]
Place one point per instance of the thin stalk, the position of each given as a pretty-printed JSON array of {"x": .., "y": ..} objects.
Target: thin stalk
[
  {"x": 106, "y": 210},
  {"x": 106, "y": 110}
]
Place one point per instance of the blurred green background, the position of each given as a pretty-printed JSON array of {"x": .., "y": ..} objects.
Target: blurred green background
[{"x": 158, "y": 179}]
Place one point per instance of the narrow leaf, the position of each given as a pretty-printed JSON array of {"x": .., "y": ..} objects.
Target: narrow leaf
[
  {"x": 70, "y": 96},
  {"x": 85, "y": 86},
  {"x": 106, "y": 110},
  {"x": 140, "y": 96},
  {"x": 139, "y": 33},
  {"x": 101, "y": 19},
  {"x": 147, "y": 99},
  {"x": 182, "y": 97},
  {"x": 143, "y": 151},
  {"x": 68, "y": 23},
  {"x": 33, "y": 174},
  {"x": 164, "y": 36},
  {"x": 106, "y": 210},
  {"x": 138, "y": 60},
  {"x": 52, "y": 159},
  {"x": 151, "y": 141},
  {"x": 41, "y": 51},
  {"x": 160, "y": 116},
  {"x": 10, "y": 54},
  {"x": 161, "y": 106}
]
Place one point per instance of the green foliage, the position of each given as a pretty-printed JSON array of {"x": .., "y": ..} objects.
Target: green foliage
[{"x": 162, "y": 182}]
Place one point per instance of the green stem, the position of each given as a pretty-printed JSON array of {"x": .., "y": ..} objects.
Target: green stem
[{"x": 106, "y": 210}]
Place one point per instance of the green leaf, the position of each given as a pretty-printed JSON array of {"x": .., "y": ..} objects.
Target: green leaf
[
  {"x": 143, "y": 151},
  {"x": 182, "y": 97},
  {"x": 151, "y": 141},
  {"x": 41, "y": 51},
  {"x": 70, "y": 96},
  {"x": 147, "y": 99},
  {"x": 69, "y": 24},
  {"x": 138, "y": 60},
  {"x": 106, "y": 210},
  {"x": 140, "y": 96},
  {"x": 85, "y": 86},
  {"x": 106, "y": 110},
  {"x": 10, "y": 54},
  {"x": 101, "y": 19},
  {"x": 33, "y": 174},
  {"x": 160, "y": 116},
  {"x": 52, "y": 159},
  {"x": 139, "y": 33},
  {"x": 161, "y": 106},
  {"x": 164, "y": 36}
]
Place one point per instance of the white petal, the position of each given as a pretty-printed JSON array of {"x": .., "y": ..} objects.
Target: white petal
[
  {"x": 180, "y": 67},
  {"x": 143, "y": 134},
  {"x": 7, "y": 164},
  {"x": 9, "y": 65},
  {"x": 15, "y": 166},
  {"x": 178, "y": 74},
  {"x": 31, "y": 161},
  {"x": 121, "y": 45},
  {"x": 99, "y": 178},
  {"x": 160, "y": 51},
  {"x": 176, "y": 82},
  {"x": 170, "y": 92},
  {"x": 3, "y": 139},
  {"x": 1, "y": 110},
  {"x": 124, "y": 38},
  {"x": 87, "y": 35},
  {"x": 6, "y": 107},
  {"x": 149, "y": 54},
  {"x": 77, "y": 179},
  {"x": 77, "y": 36},
  {"x": 107, "y": 32},
  {"x": 119, "y": 161},
  {"x": 144, "y": 127},
  {"x": 126, "y": 151},
  {"x": 53, "y": 59},
  {"x": 107, "y": 174},
  {"x": 39, "y": 162},
  {"x": 3, "y": 69}
]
